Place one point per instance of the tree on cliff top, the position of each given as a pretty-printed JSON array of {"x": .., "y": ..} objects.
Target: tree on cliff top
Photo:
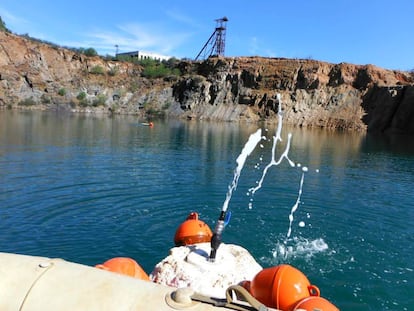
[{"x": 3, "y": 26}]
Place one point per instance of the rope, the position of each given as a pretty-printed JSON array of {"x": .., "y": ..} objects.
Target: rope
[
  {"x": 242, "y": 293},
  {"x": 45, "y": 269},
  {"x": 252, "y": 303}
]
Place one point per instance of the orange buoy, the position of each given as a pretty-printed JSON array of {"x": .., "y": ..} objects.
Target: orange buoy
[
  {"x": 246, "y": 285},
  {"x": 281, "y": 287},
  {"x": 151, "y": 124},
  {"x": 126, "y": 266},
  {"x": 192, "y": 231},
  {"x": 315, "y": 303}
]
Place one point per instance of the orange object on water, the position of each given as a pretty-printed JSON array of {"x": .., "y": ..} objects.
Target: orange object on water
[
  {"x": 192, "y": 231},
  {"x": 281, "y": 287},
  {"x": 315, "y": 303},
  {"x": 126, "y": 266}
]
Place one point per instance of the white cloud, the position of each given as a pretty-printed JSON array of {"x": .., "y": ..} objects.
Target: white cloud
[
  {"x": 142, "y": 36},
  {"x": 134, "y": 36},
  {"x": 162, "y": 36}
]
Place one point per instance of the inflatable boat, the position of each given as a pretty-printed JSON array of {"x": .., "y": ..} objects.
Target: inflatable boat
[{"x": 187, "y": 279}]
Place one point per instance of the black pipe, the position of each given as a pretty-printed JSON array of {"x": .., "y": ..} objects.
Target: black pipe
[{"x": 216, "y": 238}]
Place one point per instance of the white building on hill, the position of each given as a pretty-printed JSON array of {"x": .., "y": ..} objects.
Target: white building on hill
[{"x": 144, "y": 55}]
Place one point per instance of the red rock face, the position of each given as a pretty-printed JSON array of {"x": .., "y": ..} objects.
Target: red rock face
[{"x": 34, "y": 75}]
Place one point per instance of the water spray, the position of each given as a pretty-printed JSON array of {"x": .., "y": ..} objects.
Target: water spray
[
  {"x": 275, "y": 162},
  {"x": 254, "y": 139},
  {"x": 276, "y": 138},
  {"x": 224, "y": 217}
]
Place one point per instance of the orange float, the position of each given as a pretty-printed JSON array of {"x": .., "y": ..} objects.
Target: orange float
[
  {"x": 192, "y": 231},
  {"x": 281, "y": 287},
  {"x": 315, "y": 303},
  {"x": 124, "y": 265}
]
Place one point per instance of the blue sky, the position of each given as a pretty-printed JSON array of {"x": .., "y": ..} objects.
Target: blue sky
[{"x": 361, "y": 32}]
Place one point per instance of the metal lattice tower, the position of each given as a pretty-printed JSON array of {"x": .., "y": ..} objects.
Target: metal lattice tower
[{"x": 216, "y": 44}]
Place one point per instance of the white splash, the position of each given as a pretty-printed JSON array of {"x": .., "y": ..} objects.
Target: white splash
[
  {"x": 251, "y": 144},
  {"x": 276, "y": 138},
  {"x": 273, "y": 162},
  {"x": 299, "y": 247},
  {"x": 248, "y": 148},
  {"x": 295, "y": 206}
]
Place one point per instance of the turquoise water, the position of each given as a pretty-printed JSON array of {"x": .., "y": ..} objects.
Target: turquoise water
[{"x": 88, "y": 188}]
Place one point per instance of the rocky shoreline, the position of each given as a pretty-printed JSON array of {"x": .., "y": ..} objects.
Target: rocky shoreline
[{"x": 34, "y": 75}]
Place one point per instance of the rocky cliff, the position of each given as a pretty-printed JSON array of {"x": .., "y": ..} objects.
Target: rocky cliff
[
  {"x": 314, "y": 93},
  {"x": 34, "y": 75}
]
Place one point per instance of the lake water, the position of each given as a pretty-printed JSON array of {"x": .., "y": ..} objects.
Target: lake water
[{"x": 88, "y": 188}]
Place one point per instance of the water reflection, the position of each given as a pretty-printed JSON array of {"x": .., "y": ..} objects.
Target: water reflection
[
  {"x": 391, "y": 143},
  {"x": 314, "y": 144},
  {"x": 65, "y": 178}
]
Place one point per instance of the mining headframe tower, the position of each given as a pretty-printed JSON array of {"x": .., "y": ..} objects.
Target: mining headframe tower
[{"x": 216, "y": 43}]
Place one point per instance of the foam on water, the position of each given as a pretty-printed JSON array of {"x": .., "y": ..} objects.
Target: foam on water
[{"x": 298, "y": 247}]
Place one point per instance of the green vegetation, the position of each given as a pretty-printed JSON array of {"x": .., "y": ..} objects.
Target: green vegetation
[
  {"x": 151, "y": 68},
  {"x": 113, "y": 71},
  {"x": 27, "y": 102},
  {"x": 83, "y": 101},
  {"x": 154, "y": 68},
  {"x": 97, "y": 70},
  {"x": 100, "y": 100},
  {"x": 3, "y": 27},
  {"x": 88, "y": 51},
  {"x": 81, "y": 96},
  {"x": 45, "y": 99},
  {"x": 62, "y": 92},
  {"x": 158, "y": 71},
  {"x": 133, "y": 86}
]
